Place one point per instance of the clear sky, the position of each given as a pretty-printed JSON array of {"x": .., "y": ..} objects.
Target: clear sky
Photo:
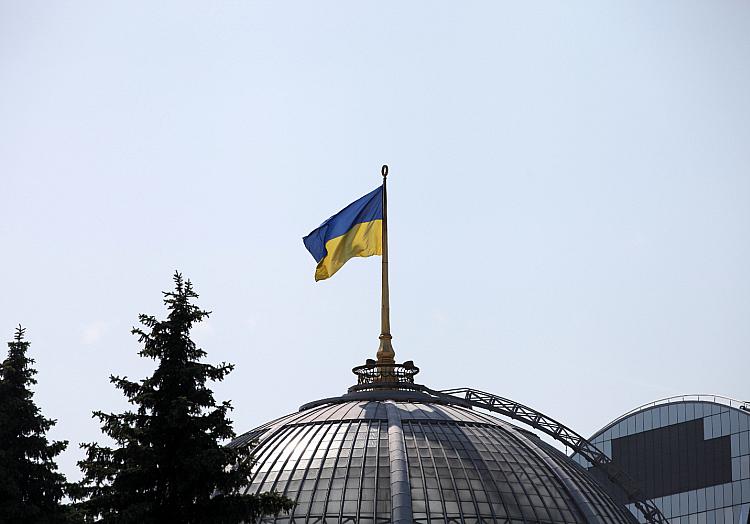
[{"x": 569, "y": 195}]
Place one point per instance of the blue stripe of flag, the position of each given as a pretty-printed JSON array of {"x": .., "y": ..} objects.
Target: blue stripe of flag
[{"x": 366, "y": 209}]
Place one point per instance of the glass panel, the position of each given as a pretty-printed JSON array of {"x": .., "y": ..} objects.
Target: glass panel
[
  {"x": 656, "y": 418},
  {"x": 648, "y": 420},
  {"x": 727, "y": 494},
  {"x": 692, "y": 501},
  {"x": 716, "y": 422},
  {"x": 631, "y": 425},
  {"x": 725, "y": 424},
  {"x": 710, "y": 498},
  {"x": 708, "y": 431},
  {"x": 736, "y": 468},
  {"x": 690, "y": 411},
  {"x": 683, "y": 497},
  {"x": 734, "y": 421},
  {"x": 672, "y": 414},
  {"x": 718, "y": 496},
  {"x": 701, "y": 499},
  {"x": 745, "y": 489},
  {"x": 664, "y": 415}
]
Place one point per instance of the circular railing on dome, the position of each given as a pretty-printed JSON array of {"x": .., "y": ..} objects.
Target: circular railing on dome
[{"x": 378, "y": 375}]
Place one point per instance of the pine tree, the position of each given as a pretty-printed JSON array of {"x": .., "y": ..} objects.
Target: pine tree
[
  {"x": 31, "y": 488},
  {"x": 168, "y": 465}
]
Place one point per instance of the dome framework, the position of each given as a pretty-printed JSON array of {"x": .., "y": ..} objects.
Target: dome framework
[{"x": 391, "y": 450}]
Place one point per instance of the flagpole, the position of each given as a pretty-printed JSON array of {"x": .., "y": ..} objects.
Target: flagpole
[{"x": 385, "y": 355}]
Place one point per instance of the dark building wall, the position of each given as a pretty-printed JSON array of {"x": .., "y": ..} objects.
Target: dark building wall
[
  {"x": 692, "y": 458},
  {"x": 674, "y": 459}
]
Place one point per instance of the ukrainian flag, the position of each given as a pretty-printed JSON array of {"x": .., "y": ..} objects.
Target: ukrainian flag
[{"x": 355, "y": 231}]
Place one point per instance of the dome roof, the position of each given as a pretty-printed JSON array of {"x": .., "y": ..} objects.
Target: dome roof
[{"x": 401, "y": 456}]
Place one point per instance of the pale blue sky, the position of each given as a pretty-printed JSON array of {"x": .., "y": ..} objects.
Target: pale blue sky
[{"x": 569, "y": 195}]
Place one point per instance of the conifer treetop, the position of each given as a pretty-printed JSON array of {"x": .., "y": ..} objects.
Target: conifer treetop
[
  {"x": 169, "y": 464},
  {"x": 31, "y": 487}
]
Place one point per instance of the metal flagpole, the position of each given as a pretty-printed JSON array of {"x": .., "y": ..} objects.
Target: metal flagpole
[{"x": 386, "y": 355}]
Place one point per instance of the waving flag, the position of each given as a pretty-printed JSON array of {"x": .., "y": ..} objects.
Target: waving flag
[{"x": 355, "y": 231}]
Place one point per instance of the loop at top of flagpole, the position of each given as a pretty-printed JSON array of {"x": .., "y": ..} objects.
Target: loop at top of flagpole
[{"x": 384, "y": 170}]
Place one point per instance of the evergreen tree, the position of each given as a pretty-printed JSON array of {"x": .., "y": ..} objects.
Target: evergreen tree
[
  {"x": 168, "y": 465},
  {"x": 31, "y": 488}
]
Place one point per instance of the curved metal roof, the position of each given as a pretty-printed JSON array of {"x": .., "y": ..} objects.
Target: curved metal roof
[
  {"x": 366, "y": 457},
  {"x": 720, "y": 400}
]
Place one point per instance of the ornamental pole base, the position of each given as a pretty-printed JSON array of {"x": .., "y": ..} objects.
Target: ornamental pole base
[{"x": 385, "y": 354}]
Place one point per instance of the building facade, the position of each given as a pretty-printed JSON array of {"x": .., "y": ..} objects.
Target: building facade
[{"x": 690, "y": 455}]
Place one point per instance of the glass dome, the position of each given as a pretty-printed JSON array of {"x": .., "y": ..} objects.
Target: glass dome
[{"x": 400, "y": 455}]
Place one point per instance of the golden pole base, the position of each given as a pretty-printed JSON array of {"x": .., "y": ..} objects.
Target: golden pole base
[{"x": 386, "y": 354}]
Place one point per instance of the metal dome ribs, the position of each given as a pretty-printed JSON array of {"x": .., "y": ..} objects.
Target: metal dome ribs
[
  {"x": 391, "y": 450},
  {"x": 567, "y": 436}
]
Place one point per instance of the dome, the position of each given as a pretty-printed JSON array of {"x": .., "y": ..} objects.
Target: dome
[{"x": 385, "y": 453}]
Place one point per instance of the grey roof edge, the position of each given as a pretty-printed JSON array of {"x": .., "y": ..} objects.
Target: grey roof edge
[
  {"x": 417, "y": 394},
  {"x": 739, "y": 405}
]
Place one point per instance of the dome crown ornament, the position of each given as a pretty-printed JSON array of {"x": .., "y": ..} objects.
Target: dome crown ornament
[{"x": 378, "y": 376}]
